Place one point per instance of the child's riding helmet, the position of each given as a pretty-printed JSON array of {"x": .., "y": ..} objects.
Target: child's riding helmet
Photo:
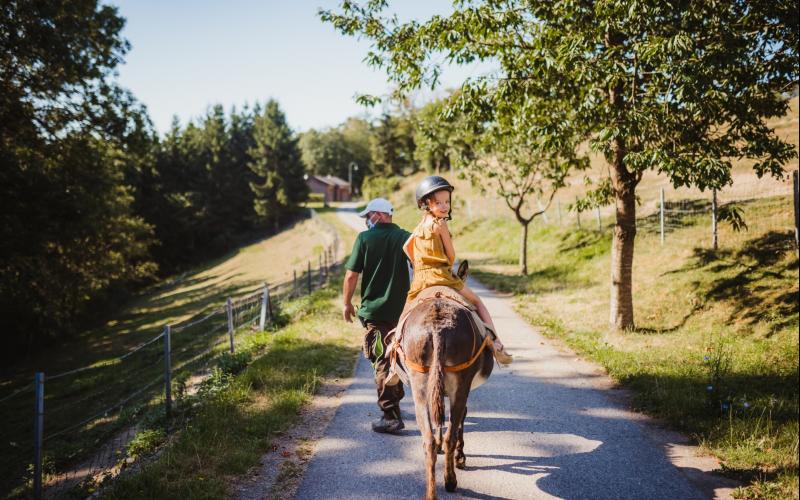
[{"x": 430, "y": 185}]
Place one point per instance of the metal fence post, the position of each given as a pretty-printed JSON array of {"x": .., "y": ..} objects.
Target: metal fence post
[
  {"x": 661, "y": 216},
  {"x": 599, "y": 223},
  {"x": 229, "y": 307},
  {"x": 544, "y": 212},
  {"x": 714, "y": 239},
  {"x": 309, "y": 276},
  {"x": 321, "y": 277},
  {"x": 167, "y": 370},
  {"x": 796, "y": 189},
  {"x": 38, "y": 433},
  {"x": 265, "y": 312},
  {"x": 294, "y": 282},
  {"x": 578, "y": 215},
  {"x": 558, "y": 211}
]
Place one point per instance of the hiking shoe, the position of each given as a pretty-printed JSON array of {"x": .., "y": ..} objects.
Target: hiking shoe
[
  {"x": 503, "y": 357},
  {"x": 388, "y": 425}
]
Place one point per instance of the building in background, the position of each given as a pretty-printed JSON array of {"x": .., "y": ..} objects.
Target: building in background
[{"x": 332, "y": 188}]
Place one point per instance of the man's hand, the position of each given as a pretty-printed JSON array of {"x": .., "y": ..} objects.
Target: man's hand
[
  {"x": 348, "y": 312},
  {"x": 348, "y": 287}
]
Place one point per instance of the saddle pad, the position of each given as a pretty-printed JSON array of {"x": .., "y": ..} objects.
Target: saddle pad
[{"x": 444, "y": 292}]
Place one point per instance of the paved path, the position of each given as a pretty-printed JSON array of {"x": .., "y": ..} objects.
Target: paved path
[{"x": 548, "y": 427}]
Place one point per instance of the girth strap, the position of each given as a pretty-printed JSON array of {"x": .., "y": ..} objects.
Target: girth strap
[
  {"x": 487, "y": 341},
  {"x": 450, "y": 369}
]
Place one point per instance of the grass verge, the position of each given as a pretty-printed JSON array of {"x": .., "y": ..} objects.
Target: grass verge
[{"x": 715, "y": 353}]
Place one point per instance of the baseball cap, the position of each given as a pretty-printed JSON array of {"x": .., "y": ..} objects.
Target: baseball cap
[{"x": 377, "y": 205}]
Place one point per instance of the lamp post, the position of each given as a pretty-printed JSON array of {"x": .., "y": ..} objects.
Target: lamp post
[{"x": 353, "y": 165}]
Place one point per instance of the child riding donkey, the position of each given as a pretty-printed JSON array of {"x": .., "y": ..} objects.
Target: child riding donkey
[{"x": 430, "y": 249}]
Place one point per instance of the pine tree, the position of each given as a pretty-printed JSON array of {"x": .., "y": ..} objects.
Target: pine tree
[{"x": 276, "y": 161}]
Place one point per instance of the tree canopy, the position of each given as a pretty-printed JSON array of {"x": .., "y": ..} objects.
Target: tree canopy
[{"x": 676, "y": 87}]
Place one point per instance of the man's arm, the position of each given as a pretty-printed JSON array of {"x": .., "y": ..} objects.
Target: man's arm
[{"x": 348, "y": 288}]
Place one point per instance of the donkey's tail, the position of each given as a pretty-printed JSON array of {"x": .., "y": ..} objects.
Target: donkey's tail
[{"x": 436, "y": 381}]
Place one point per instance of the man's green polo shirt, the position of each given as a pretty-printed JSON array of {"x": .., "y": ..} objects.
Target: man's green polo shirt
[{"x": 378, "y": 255}]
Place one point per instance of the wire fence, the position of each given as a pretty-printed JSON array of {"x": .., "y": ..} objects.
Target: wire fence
[
  {"x": 680, "y": 216},
  {"x": 83, "y": 419}
]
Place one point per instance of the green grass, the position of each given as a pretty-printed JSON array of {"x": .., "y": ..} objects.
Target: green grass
[
  {"x": 715, "y": 353},
  {"x": 726, "y": 319},
  {"x": 224, "y": 431},
  {"x": 72, "y": 399}
]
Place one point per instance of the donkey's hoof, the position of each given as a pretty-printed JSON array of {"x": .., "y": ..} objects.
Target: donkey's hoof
[
  {"x": 461, "y": 463},
  {"x": 450, "y": 486}
]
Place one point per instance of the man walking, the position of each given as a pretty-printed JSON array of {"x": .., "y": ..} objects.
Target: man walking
[{"x": 378, "y": 256}]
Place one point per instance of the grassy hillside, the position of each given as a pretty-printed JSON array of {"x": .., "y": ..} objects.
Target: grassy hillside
[
  {"x": 225, "y": 432},
  {"x": 71, "y": 399},
  {"x": 715, "y": 352}
]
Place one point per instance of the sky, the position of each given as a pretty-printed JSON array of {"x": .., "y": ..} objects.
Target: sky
[{"x": 189, "y": 55}]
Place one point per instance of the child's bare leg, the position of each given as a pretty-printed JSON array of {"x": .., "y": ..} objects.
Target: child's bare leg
[{"x": 482, "y": 312}]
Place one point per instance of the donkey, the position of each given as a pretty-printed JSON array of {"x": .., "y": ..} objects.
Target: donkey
[{"x": 445, "y": 354}]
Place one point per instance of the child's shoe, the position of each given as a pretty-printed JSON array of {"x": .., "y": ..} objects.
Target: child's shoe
[{"x": 502, "y": 356}]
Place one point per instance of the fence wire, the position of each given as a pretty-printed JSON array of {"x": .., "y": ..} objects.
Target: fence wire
[
  {"x": 91, "y": 413},
  {"x": 765, "y": 205}
]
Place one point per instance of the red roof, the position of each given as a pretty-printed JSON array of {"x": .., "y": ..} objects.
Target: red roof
[{"x": 330, "y": 180}]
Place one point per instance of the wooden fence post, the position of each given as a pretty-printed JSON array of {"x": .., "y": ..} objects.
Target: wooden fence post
[
  {"x": 38, "y": 433},
  {"x": 168, "y": 369},
  {"x": 229, "y": 307}
]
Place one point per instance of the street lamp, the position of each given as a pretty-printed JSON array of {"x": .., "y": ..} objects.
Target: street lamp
[{"x": 353, "y": 165}]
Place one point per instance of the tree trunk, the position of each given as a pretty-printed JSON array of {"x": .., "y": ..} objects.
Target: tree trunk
[
  {"x": 523, "y": 250},
  {"x": 624, "y": 183},
  {"x": 623, "y": 242}
]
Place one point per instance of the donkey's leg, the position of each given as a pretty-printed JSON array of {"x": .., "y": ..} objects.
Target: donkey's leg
[
  {"x": 461, "y": 459},
  {"x": 419, "y": 389},
  {"x": 458, "y": 407}
]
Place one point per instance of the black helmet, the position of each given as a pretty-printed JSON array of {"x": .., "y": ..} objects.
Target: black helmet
[{"x": 431, "y": 184}]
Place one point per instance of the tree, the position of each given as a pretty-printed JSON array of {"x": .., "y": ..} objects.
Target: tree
[
  {"x": 392, "y": 145},
  {"x": 523, "y": 165},
  {"x": 443, "y": 139},
  {"x": 332, "y": 151},
  {"x": 676, "y": 87},
  {"x": 68, "y": 136},
  {"x": 279, "y": 186}
]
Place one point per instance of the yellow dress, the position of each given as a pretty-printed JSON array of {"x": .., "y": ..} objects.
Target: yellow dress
[{"x": 431, "y": 265}]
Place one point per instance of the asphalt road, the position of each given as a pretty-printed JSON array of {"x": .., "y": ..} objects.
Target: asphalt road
[{"x": 549, "y": 426}]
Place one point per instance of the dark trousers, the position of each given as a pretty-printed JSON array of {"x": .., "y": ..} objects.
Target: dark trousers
[{"x": 374, "y": 347}]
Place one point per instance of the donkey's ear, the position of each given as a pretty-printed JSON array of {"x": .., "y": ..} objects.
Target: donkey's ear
[{"x": 463, "y": 270}]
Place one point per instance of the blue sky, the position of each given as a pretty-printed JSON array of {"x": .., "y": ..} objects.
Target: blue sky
[{"x": 188, "y": 55}]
